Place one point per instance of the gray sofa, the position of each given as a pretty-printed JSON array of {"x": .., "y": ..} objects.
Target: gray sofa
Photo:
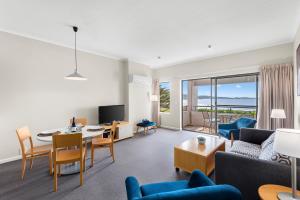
[{"x": 248, "y": 173}]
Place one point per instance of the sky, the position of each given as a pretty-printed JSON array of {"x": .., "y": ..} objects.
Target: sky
[
  {"x": 165, "y": 85},
  {"x": 246, "y": 89}
]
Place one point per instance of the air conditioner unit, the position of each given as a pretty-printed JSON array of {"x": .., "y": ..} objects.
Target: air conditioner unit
[{"x": 138, "y": 79}]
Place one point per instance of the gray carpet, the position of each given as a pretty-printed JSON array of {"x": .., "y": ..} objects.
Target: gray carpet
[{"x": 149, "y": 158}]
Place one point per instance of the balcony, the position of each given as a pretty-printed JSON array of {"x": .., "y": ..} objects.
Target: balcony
[{"x": 204, "y": 119}]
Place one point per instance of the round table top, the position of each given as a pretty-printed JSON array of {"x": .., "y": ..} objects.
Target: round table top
[
  {"x": 85, "y": 133},
  {"x": 270, "y": 191}
]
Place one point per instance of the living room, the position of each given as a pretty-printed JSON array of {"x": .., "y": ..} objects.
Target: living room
[{"x": 149, "y": 100}]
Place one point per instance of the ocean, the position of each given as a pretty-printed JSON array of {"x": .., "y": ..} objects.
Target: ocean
[{"x": 227, "y": 101}]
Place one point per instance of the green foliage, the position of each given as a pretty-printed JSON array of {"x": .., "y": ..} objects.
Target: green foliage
[{"x": 164, "y": 100}]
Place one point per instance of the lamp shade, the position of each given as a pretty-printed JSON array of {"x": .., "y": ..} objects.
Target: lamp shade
[
  {"x": 278, "y": 113},
  {"x": 75, "y": 76},
  {"x": 287, "y": 142}
]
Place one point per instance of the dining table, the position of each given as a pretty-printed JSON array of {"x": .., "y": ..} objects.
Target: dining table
[{"x": 88, "y": 133}]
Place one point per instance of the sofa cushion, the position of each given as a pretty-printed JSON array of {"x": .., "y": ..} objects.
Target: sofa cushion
[{"x": 246, "y": 149}]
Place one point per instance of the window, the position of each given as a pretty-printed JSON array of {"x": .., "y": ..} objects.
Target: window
[
  {"x": 164, "y": 88},
  {"x": 209, "y": 101}
]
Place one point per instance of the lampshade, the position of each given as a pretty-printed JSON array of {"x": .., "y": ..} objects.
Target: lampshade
[
  {"x": 154, "y": 98},
  {"x": 75, "y": 76},
  {"x": 278, "y": 113},
  {"x": 287, "y": 142}
]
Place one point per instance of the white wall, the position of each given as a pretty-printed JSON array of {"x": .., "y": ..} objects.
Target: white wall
[
  {"x": 297, "y": 98},
  {"x": 246, "y": 62},
  {"x": 35, "y": 93},
  {"x": 139, "y": 94}
]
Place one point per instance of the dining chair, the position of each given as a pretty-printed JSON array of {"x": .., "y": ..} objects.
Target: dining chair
[
  {"x": 100, "y": 142},
  {"x": 207, "y": 120},
  {"x": 68, "y": 148},
  {"x": 83, "y": 121},
  {"x": 24, "y": 136}
]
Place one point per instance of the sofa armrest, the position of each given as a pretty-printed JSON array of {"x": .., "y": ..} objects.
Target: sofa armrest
[
  {"x": 216, "y": 192},
  {"x": 249, "y": 174},
  {"x": 198, "y": 179},
  {"x": 255, "y": 136},
  {"x": 132, "y": 188}
]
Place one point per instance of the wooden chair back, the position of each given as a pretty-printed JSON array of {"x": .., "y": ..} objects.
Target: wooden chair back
[
  {"x": 82, "y": 121},
  {"x": 113, "y": 130},
  {"x": 67, "y": 140},
  {"x": 24, "y": 134}
]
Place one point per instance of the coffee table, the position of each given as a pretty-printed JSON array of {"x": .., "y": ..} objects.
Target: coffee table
[{"x": 191, "y": 155}]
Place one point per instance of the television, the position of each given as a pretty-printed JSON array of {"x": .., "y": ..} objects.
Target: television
[{"x": 108, "y": 114}]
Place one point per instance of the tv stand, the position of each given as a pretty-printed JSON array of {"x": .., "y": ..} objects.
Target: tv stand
[{"x": 124, "y": 130}]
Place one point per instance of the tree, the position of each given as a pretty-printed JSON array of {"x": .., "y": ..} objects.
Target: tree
[{"x": 164, "y": 99}]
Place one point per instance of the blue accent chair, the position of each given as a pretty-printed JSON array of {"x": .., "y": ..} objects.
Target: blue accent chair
[
  {"x": 198, "y": 187},
  {"x": 231, "y": 131},
  {"x": 146, "y": 124}
]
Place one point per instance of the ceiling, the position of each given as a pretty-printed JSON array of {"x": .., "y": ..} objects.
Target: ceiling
[{"x": 141, "y": 30}]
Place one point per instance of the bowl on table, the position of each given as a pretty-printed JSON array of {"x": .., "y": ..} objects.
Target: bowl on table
[{"x": 201, "y": 139}]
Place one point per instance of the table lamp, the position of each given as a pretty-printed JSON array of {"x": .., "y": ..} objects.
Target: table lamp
[
  {"x": 278, "y": 114},
  {"x": 287, "y": 142}
]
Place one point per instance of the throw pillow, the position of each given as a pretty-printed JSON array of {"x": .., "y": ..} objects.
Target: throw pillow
[
  {"x": 268, "y": 141},
  {"x": 268, "y": 153},
  {"x": 283, "y": 159}
]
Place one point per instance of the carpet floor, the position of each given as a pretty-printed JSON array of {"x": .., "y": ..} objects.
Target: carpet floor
[{"x": 148, "y": 157}]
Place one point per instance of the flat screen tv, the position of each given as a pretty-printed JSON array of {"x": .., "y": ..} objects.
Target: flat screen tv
[{"x": 108, "y": 114}]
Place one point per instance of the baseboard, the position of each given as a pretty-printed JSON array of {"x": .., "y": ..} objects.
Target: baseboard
[
  {"x": 6, "y": 160},
  {"x": 170, "y": 127}
]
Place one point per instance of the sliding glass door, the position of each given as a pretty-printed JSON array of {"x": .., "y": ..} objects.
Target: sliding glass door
[
  {"x": 208, "y": 102},
  {"x": 198, "y": 104}
]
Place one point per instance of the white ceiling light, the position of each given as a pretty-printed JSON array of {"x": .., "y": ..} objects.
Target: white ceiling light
[{"x": 75, "y": 75}]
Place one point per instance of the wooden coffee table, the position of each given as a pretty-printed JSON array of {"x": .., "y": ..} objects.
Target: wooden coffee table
[{"x": 191, "y": 155}]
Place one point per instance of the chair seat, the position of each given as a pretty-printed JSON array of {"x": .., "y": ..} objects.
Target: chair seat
[
  {"x": 69, "y": 155},
  {"x": 38, "y": 150},
  {"x": 101, "y": 141},
  {"x": 227, "y": 133},
  {"x": 146, "y": 124},
  {"x": 155, "y": 188}
]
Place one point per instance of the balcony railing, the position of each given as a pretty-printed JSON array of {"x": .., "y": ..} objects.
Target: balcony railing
[{"x": 203, "y": 117}]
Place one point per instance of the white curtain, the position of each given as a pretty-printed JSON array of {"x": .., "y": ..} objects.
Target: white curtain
[
  {"x": 276, "y": 92},
  {"x": 155, "y": 104}
]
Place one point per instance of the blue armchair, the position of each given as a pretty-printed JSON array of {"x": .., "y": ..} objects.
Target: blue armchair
[
  {"x": 231, "y": 131},
  {"x": 198, "y": 187}
]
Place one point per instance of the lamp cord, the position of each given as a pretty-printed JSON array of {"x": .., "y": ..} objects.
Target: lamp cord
[{"x": 75, "y": 53}]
